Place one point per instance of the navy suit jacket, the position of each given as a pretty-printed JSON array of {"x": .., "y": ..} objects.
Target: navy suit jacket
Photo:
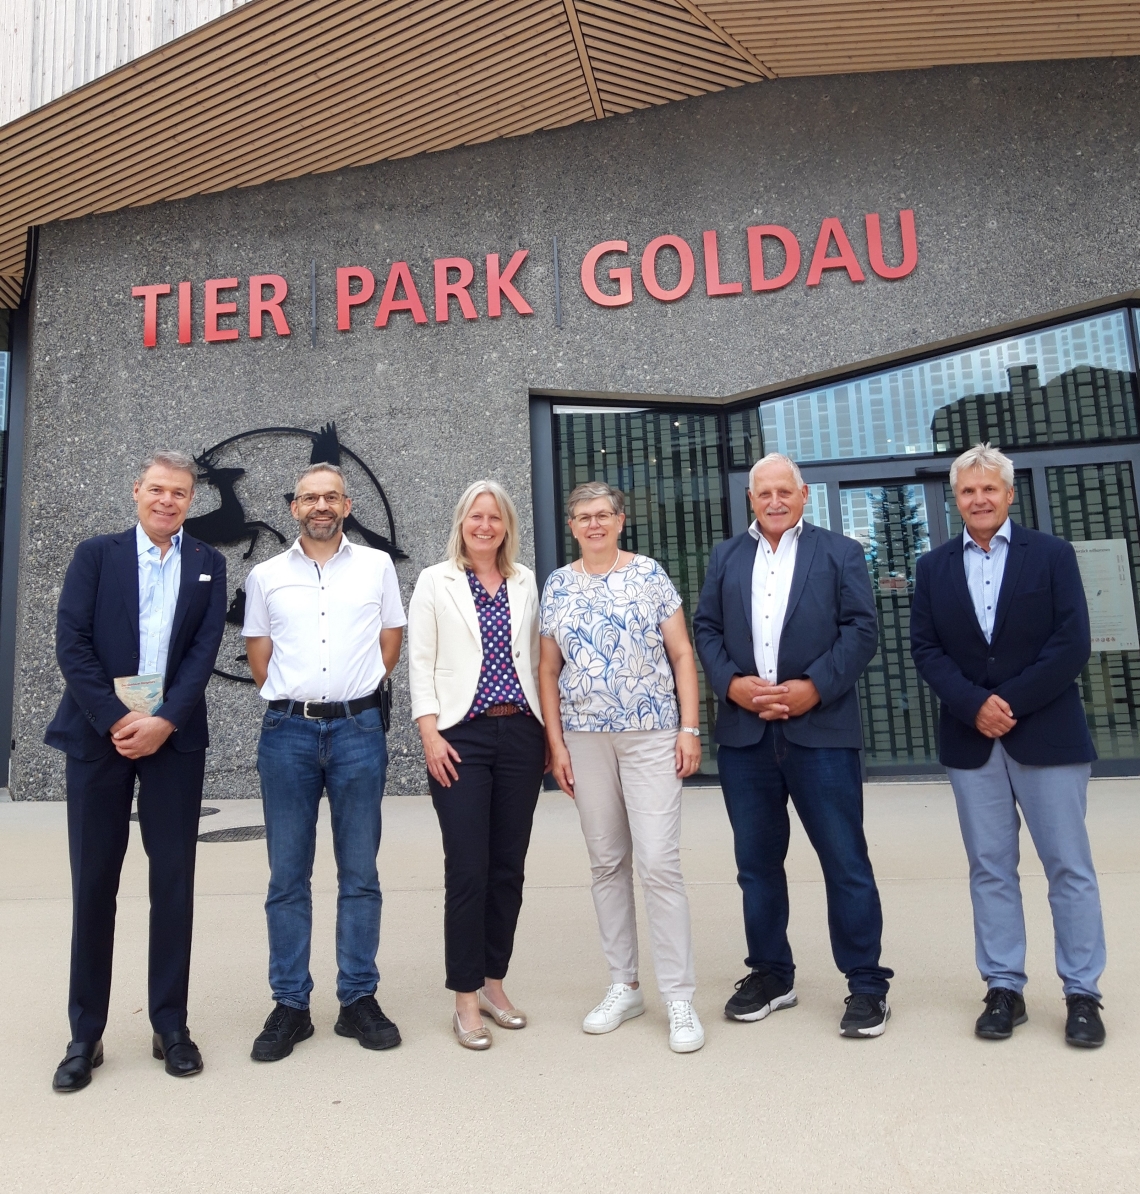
[
  {"x": 97, "y": 639},
  {"x": 830, "y": 634},
  {"x": 1039, "y": 645}
]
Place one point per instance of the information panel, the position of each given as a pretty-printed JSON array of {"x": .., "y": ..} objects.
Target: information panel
[{"x": 1107, "y": 577}]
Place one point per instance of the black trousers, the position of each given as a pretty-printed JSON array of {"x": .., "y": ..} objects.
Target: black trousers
[
  {"x": 99, "y": 796},
  {"x": 486, "y": 820}
]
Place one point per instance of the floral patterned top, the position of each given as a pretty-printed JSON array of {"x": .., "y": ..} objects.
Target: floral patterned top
[
  {"x": 616, "y": 675},
  {"x": 498, "y": 680}
]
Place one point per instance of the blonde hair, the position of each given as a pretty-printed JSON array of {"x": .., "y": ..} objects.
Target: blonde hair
[
  {"x": 508, "y": 549},
  {"x": 987, "y": 460}
]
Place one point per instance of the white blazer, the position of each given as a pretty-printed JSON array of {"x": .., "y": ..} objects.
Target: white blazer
[{"x": 445, "y": 648}]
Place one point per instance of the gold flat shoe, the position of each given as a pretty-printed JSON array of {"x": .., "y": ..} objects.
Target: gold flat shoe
[
  {"x": 512, "y": 1019},
  {"x": 478, "y": 1038}
]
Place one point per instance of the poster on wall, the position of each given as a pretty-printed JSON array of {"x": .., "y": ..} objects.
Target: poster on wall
[{"x": 1107, "y": 577}]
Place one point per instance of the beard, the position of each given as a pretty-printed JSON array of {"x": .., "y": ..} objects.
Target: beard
[{"x": 320, "y": 531}]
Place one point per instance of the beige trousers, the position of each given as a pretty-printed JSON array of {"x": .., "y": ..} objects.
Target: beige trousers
[{"x": 629, "y": 802}]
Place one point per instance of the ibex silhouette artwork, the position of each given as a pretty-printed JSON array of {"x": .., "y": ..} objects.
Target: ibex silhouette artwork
[{"x": 228, "y": 523}]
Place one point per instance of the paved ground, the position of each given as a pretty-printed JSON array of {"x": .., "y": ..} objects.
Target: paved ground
[{"x": 783, "y": 1105}]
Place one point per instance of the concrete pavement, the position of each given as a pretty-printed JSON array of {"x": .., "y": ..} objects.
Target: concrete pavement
[{"x": 785, "y": 1104}]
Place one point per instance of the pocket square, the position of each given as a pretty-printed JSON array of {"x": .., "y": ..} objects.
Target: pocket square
[{"x": 205, "y": 576}]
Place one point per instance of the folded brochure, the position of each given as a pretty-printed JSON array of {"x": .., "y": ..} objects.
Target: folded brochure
[{"x": 143, "y": 694}]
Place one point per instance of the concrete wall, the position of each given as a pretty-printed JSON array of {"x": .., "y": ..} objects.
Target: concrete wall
[{"x": 1024, "y": 183}]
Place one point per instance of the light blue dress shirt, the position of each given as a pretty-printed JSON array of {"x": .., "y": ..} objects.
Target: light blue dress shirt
[
  {"x": 984, "y": 571},
  {"x": 159, "y": 580}
]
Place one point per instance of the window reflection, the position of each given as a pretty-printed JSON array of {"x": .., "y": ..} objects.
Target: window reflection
[{"x": 1072, "y": 383}]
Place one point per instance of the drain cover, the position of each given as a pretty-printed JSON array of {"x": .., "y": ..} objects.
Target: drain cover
[
  {"x": 239, "y": 833},
  {"x": 207, "y": 811}
]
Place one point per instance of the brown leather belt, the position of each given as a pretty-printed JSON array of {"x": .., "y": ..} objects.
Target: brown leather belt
[{"x": 501, "y": 711}]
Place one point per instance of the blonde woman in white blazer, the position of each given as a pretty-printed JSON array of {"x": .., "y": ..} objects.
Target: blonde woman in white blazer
[{"x": 473, "y": 657}]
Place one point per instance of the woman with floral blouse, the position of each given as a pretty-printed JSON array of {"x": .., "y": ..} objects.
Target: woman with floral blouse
[
  {"x": 615, "y": 661},
  {"x": 473, "y": 671}
]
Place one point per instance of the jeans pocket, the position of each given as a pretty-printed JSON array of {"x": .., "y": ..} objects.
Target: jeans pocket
[
  {"x": 272, "y": 719},
  {"x": 367, "y": 722}
]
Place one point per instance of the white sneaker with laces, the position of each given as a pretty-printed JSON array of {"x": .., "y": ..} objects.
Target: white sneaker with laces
[
  {"x": 622, "y": 1002},
  {"x": 685, "y": 1032}
]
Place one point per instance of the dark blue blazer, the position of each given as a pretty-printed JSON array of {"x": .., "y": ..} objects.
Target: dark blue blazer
[
  {"x": 97, "y": 639},
  {"x": 1039, "y": 645},
  {"x": 830, "y": 634}
]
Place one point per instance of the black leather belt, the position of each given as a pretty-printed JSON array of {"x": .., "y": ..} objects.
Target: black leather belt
[{"x": 325, "y": 710}]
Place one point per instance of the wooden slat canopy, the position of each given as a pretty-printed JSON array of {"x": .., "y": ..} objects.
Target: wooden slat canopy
[{"x": 280, "y": 88}]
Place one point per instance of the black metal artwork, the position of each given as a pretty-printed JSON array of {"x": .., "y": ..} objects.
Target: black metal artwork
[{"x": 228, "y": 523}]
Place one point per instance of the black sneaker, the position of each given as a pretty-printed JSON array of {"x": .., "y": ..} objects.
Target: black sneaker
[
  {"x": 759, "y": 994},
  {"x": 364, "y": 1020},
  {"x": 1084, "y": 1027},
  {"x": 866, "y": 1015},
  {"x": 1005, "y": 1009},
  {"x": 284, "y": 1028}
]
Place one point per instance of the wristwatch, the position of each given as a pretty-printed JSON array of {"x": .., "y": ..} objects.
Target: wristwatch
[{"x": 694, "y": 730}]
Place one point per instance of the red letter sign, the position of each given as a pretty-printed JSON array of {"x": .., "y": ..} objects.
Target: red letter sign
[
  {"x": 345, "y": 299},
  {"x": 713, "y": 284},
  {"x": 400, "y": 275},
  {"x": 183, "y": 312},
  {"x": 260, "y": 306},
  {"x": 649, "y": 268},
  {"x": 445, "y": 291},
  {"x": 756, "y": 236},
  {"x": 214, "y": 309},
  {"x": 623, "y": 277},
  {"x": 150, "y": 310},
  {"x": 500, "y": 285},
  {"x": 846, "y": 259},
  {"x": 909, "y": 245}
]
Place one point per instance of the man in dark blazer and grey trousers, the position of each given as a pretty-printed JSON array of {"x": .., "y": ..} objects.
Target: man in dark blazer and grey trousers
[
  {"x": 1000, "y": 631},
  {"x": 148, "y": 601},
  {"x": 785, "y": 626}
]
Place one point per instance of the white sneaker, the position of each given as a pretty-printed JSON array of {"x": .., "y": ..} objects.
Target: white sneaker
[
  {"x": 622, "y": 1002},
  {"x": 685, "y": 1032}
]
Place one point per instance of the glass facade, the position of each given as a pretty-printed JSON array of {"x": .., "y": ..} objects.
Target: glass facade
[{"x": 875, "y": 451}]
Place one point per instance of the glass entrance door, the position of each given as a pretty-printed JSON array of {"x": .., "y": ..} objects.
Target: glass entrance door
[{"x": 1087, "y": 496}]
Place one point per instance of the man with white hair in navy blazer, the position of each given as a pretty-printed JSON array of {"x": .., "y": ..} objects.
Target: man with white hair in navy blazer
[{"x": 1000, "y": 631}]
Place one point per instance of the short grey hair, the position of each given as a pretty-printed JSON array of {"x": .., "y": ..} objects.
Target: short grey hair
[
  {"x": 589, "y": 491},
  {"x": 320, "y": 468},
  {"x": 181, "y": 462},
  {"x": 776, "y": 458},
  {"x": 985, "y": 458}
]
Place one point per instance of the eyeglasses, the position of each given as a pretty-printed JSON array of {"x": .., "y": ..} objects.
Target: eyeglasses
[
  {"x": 308, "y": 500},
  {"x": 585, "y": 520}
]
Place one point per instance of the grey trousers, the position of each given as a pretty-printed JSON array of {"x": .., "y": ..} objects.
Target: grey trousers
[
  {"x": 629, "y": 802},
  {"x": 1052, "y": 800}
]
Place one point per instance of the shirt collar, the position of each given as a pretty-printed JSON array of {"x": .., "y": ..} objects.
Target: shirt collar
[
  {"x": 344, "y": 548},
  {"x": 1005, "y": 531},
  {"x": 144, "y": 545},
  {"x": 795, "y": 532}
]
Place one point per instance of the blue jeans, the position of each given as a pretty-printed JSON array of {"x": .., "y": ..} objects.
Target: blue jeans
[
  {"x": 1052, "y": 800},
  {"x": 297, "y": 759},
  {"x": 826, "y": 788}
]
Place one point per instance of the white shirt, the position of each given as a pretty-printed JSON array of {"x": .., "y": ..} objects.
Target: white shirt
[
  {"x": 159, "y": 580},
  {"x": 771, "y": 584},
  {"x": 984, "y": 572},
  {"x": 325, "y": 622}
]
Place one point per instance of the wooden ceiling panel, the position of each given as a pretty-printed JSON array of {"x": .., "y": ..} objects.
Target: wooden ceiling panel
[{"x": 281, "y": 88}]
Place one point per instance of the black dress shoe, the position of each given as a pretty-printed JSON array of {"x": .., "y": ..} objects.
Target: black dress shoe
[
  {"x": 1005, "y": 1009},
  {"x": 1083, "y": 1026},
  {"x": 74, "y": 1071},
  {"x": 179, "y": 1052},
  {"x": 284, "y": 1028},
  {"x": 364, "y": 1020}
]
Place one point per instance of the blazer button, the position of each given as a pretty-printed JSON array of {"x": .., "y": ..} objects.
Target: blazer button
[
  {"x": 517, "y": 654},
  {"x": 993, "y": 659}
]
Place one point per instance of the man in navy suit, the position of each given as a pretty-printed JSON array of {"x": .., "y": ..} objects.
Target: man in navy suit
[
  {"x": 1000, "y": 631},
  {"x": 785, "y": 626},
  {"x": 148, "y": 601}
]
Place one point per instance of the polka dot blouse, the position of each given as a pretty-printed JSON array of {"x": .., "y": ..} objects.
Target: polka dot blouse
[{"x": 498, "y": 680}]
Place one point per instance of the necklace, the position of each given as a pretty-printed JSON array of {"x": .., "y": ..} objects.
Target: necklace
[{"x": 601, "y": 575}]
